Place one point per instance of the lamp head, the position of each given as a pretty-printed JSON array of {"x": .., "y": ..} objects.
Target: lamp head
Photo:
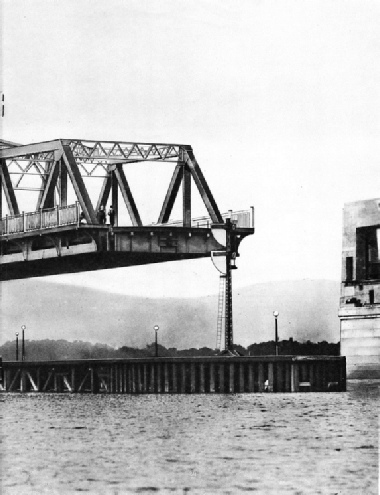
[
  {"x": 275, "y": 313},
  {"x": 16, "y": 334},
  {"x": 23, "y": 327},
  {"x": 156, "y": 328}
]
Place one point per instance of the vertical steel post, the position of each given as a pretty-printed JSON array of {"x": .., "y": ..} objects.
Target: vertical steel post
[
  {"x": 156, "y": 328},
  {"x": 16, "y": 346},
  {"x": 23, "y": 343},
  {"x": 228, "y": 336},
  {"x": 276, "y": 335}
]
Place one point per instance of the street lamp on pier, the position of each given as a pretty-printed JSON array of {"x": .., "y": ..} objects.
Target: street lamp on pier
[
  {"x": 23, "y": 328},
  {"x": 275, "y": 314},
  {"x": 16, "y": 346},
  {"x": 156, "y": 328}
]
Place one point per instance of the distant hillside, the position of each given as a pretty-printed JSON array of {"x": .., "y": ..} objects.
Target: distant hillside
[{"x": 308, "y": 311}]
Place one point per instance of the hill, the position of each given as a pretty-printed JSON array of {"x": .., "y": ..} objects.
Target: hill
[{"x": 308, "y": 311}]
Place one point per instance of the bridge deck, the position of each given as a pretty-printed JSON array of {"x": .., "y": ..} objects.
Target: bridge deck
[{"x": 56, "y": 241}]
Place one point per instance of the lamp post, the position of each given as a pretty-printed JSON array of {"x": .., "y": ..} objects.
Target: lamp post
[
  {"x": 16, "y": 346},
  {"x": 23, "y": 343},
  {"x": 156, "y": 328},
  {"x": 275, "y": 314}
]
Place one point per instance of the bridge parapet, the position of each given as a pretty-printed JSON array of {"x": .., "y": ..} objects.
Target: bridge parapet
[
  {"x": 71, "y": 215},
  {"x": 39, "y": 220},
  {"x": 242, "y": 219}
]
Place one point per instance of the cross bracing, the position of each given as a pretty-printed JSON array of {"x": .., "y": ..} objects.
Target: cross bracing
[{"x": 53, "y": 162}]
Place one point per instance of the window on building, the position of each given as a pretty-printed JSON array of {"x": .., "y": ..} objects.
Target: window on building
[
  {"x": 349, "y": 268},
  {"x": 368, "y": 253}
]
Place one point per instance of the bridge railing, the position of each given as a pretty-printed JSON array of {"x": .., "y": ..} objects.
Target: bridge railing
[
  {"x": 241, "y": 218},
  {"x": 42, "y": 219},
  {"x": 70, "y": 215}
]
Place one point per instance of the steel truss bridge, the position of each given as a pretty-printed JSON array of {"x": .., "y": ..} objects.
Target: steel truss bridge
[{"x": 57, "y": 237}]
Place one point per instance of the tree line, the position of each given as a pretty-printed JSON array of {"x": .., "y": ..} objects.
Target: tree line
[{"x": 53, "y": 350}]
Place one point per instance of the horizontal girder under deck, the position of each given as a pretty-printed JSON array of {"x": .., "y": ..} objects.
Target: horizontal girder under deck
[{"x": 72, "y": 248}]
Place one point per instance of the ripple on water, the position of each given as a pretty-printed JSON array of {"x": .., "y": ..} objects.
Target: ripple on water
[{"x": 268, "y": 443}]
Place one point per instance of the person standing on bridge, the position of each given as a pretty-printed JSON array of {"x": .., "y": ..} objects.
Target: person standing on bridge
[
  {"x": 101, "y": 215},
  {"x": 111, "y": 214}
]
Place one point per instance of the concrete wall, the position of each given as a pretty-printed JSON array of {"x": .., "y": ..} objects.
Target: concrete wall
[{"x": 360, "y": 293}]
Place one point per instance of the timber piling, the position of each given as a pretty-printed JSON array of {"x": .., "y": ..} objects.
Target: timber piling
[{"x": 184, "y": 375}]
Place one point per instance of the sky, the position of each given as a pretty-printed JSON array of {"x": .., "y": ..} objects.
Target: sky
[{"x": 279, "y": 100}]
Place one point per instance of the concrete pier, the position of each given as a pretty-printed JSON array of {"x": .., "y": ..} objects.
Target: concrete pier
[{"x": 196, "y": 375}]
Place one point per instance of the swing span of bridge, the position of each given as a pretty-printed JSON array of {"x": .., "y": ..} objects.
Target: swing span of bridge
[{"x": 58, "y": 237}]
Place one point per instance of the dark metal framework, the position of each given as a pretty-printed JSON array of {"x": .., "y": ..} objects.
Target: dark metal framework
[
  {"x": 55, "y": 163},
  {"x": 58, "y": 161}
]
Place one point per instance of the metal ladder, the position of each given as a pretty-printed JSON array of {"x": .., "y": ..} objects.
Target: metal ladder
[{"x": 221, "y": 310}]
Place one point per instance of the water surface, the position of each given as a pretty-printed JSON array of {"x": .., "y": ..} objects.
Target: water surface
[{"x": 310, "y": 443}]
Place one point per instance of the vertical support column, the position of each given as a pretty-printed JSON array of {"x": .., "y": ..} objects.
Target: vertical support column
[
  {"x": 73, "y": 380},
  {"x": 342, "y": 374},
  {"x": 192, "y": 378},
  {"x": 115, "y": 196},
  {"x": 288, "y": 386},
  {"x": 270, "y": 377},
  {"x": 186, "y": 185},
  {"x": 311, "y": 376},
  {"x": 124, "y": 378},
  {"x": 202, "y": 388},
  {"x": 294, "y": 373},
  {"x": 279, "y": 384},
  {"x": 251, "y": 378},
  {"x": 159, "y": 378},
  {"x": 232, "y": 378},
  {"x": 38, "y": 379},
  {"x": 23, "y": 381},
  {"x": 6, "y": 376},
  {"x": 221, "y": 378},
  {"x": 228, "y": 302},
  {"x": 2, "y": 164},
  {"x": 131, "y": 379},
  {"x": 175, "y": 378},
  {"x": 94, "y": 381},
  {"x": 55, "y": 380},
  {"x": 183, "y": 378},
  {"x": 151, "y": 385},
  {"x": 260, "y": 377},
  {"x": 212, "y": 378},
  {"x": 145, "y": 378},
  {"x": 138, "y": 378},
  {"x": 111, "y": 377},
  {"x": 166, "y": 378},
  {"x": 116, "y": 378},
  {"x": 241, "y": 378}
]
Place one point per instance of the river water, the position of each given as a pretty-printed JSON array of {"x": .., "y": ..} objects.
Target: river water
[{"x": 307, "y": 443}]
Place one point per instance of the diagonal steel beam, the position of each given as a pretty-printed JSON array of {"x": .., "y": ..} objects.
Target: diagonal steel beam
[
  {"x": 47, "y": 199},
  {"x": 171, "y": 194},
  {"x": 78, "y": 184},
  {"x": 8, "y": 189},
  {"x": 127, "y": 195},
  {"x": 202, "y": 185},
  {"x": 30, "y": 149},
  {"x": 105, "y": 192},
  {"x": 43, "y": 185}
]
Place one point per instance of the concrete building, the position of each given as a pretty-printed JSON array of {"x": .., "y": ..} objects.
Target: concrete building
[{"x": 359, "y": 310}]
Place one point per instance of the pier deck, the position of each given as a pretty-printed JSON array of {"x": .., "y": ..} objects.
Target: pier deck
[{"x": 184, "y": 375}]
